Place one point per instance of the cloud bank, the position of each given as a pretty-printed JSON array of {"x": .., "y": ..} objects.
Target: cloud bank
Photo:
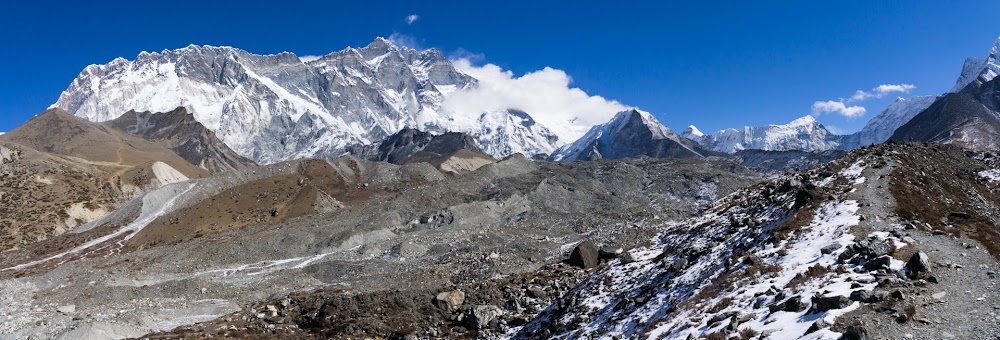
[
  {"x": 404, "y": 40},
  {"x": 838, "y": 107},
  {"x": 881, "y": 91},
  {"x": 545, "y": 94}
]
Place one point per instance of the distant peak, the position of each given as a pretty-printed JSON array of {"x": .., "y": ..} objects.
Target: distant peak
[
  {"x": 693, "y": 131},
  {"x": 805, "y": 120}
]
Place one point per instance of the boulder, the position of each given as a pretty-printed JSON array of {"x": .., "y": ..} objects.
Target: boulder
[
  {"x": 825, "y": 303},
  {"x": 793, "y": 304},
  {"x": 855, "y": 333},
  {"x": 607, "y": 253},
  {"x": 585, "y": 255},
  {"x": 680, "y": 264},
  {"x": 450, "y": 301},
  {"x": 805, "y": 196},
  {"x": 877, "y": 296},
  {"x": 816, "y": 326},
  {"x": 829, "y": 249},
  {"x": 918, "y": 263},
  {"x": 67, "y": 309},
  {"x": 482, "y": 316},
  {"x": 881, "y": 262},
  {"x": 860, "y": 295}
]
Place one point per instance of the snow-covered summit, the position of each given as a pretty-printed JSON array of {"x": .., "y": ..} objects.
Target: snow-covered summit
[
  {"x": 693, "y": 132},
  {"x": 278, "y": 107},
  {"x": 630, "y": 133},
  {"x": 979, "y": 70}
]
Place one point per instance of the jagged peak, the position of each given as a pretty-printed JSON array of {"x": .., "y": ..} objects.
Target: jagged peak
[
  {"x": 979, "y": 70},
  {"x": 692, "y": 130}
]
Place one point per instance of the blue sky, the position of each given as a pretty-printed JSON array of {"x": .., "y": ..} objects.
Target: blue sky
[{"x": 715, "y": 65}]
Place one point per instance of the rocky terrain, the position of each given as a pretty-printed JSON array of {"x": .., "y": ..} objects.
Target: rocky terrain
[
  {"x": 365, "y": 234},
  {"x": 61, "y": 172},
  {"x": 821, "y": 254}
]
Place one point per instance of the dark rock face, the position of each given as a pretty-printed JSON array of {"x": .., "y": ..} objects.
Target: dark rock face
[
  {"x": 191, "y": 140},
  {"x": 585, "y": 255},
  {"x": 969, "y": 118},
  {"x": 406, "y": 143}
]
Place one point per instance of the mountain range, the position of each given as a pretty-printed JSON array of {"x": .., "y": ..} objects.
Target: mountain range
[
  {"x": 806, "y": 134},
  {"x": 271, "y": 108}
]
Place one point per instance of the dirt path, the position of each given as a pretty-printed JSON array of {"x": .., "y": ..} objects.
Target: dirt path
[{"x": 970, "y": 305}]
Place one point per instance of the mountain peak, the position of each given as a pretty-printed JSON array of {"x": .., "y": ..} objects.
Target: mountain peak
[
  {"x": 805, "y": 120},
  {"x": 381, "y": 44},
  {"x": 692, "y": 131},
  {"x": 630, "y": 133},
  {"x": 979, "y": 70}
]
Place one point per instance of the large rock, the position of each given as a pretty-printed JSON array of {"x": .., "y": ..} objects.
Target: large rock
[
  {"x": 585, "y": 255},
  {"x": 825, "y": 303},
  {"x": 793, "y": 304},
  {"x": 918, "y": 263},
  {"x": 483, "y": 315},
  {"x": 450, "y": 301},
  {"x": 855, "y": 333},
  {"x": 881, "y": 262}
]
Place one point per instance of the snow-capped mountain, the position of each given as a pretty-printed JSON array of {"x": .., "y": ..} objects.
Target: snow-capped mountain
[
  {"x": 630, "y": 133},
  {"x": 277, "y": 107},
  {"x": 969, "y": 115},
  {"x": 979, "y": 70},
  {"x": 881, "y": 127},
  {"x": 804, "y": 134},
  {"x": 970, "y": 118}
]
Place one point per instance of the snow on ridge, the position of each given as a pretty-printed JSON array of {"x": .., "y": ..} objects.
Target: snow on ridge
[{"x": 704, "y": 263}]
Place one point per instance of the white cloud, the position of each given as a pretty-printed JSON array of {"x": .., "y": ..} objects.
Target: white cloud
[
  {"x": 403, "y": 40},
  {"x": 410, "y": 19},
  {"x": 837, "y": 107},
  {"x": 881, "y": 91},
  {"x": 545, "y": 94},
  {"x": 308, "y": 58}
]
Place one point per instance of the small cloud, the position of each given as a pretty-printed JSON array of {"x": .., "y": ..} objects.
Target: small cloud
[
  {"x": 881, "y": 91},
  {"x": 464, "y": 54},
  {"x": 308, "y": 58},
  {"x": 403, "y": 40},
  {"x": 837, "y": 107},
  {"x": 412, "y": 18}
]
